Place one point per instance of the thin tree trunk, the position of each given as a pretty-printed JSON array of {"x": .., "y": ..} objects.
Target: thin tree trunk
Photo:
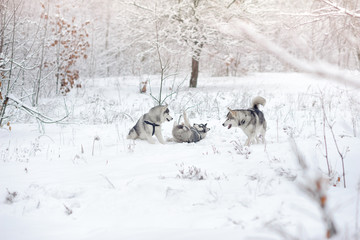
[
  {"x": 58, "y": 85},
  {"x": 38, "y": 81},
  {"x": 2, "y": 75},
  {"x": 2, "y": 109},
  {"x": 107, "y": 37},
  {"x": 8, "y": 88}
]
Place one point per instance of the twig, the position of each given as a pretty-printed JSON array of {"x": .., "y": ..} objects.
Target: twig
[
  {"x": 325, "y": 140},
  {"x": 68, "y": 210},
  {"x": 96, "y": 138},
  {"x": 342, "y": 156},
  {"x": 108, "y": 180}
]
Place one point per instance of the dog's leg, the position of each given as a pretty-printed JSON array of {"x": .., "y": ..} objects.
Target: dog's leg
[
  {"x": 247, "y": 143},
  {"x": 262, "y": 133},
  {"x": 186, "y": 120},
  {"x": 150, "y": 139},
  {"x": 159, "y": 135},
  {"x": 251, "y": 138},
  {"x": 263, "y": 138},
  {"x": 186, "y": 128}
]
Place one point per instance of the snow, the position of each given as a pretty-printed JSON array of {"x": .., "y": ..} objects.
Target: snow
[{"x": 85, "y": 180}]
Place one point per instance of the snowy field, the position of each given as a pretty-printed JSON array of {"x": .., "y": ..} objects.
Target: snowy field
[{"x": 85, "y": 180}]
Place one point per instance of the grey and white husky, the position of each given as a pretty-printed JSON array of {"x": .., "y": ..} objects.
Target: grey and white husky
[
  {"x": 150, "y": 124},
  {"x": 186, "y": 133},
  {"x": 251, "y": 121}
]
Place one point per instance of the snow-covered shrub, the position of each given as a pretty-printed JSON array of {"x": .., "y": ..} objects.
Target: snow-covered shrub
[
  {"x": 241, "y": 149},
  {"x": 191, "y": 173},
  {"x": 10, "y": 198}
]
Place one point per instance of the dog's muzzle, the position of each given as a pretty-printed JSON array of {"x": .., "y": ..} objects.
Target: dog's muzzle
[
  {"x": 169, "y": 119},
  {"x": 229, "y": 126}
]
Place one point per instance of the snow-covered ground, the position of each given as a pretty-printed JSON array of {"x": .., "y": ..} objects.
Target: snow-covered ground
[{"x": 85, "y": 180}]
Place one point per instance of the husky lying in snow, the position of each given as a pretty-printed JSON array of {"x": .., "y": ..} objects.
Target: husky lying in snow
[
  {"x": 251, "y": 121},
  {"x": 187, "y": 133},
  {"x": 150, "y": 124}
]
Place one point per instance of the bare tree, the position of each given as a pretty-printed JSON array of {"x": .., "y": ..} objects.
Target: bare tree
[
  {"x": 39, "y": 78},
  {"x": 7, "y": 64}
]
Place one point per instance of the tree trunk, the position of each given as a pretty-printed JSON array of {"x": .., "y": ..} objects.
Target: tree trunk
[
  {"x": 107, "y": 31},
  {"x": 2, "y": 110},
  {"x": 194, "y": 72},
  {"x": 195, "y": 64}
]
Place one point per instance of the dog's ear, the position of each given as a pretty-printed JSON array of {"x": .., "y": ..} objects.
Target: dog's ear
[{"x": 232, "y": 112}]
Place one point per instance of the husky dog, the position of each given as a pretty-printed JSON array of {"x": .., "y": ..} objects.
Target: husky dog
[
  {"x": 251, "y": 121},
  {"x": 186, "y": 133},
  {"x": 150, "y": 124}
]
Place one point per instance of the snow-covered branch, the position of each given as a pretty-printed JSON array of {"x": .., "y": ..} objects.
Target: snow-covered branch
[
  {"x": 239, "y": 29},
  {"x": 33, "y": 112},
  {"x": 341, "y": 10}
]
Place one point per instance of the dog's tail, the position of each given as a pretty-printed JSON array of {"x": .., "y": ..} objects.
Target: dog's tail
[
  {"x": 256, "y": 101},
  {"x": 132, "y": 134}
]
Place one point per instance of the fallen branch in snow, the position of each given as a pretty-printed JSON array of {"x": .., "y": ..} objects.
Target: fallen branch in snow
[
  {"x": 31, "y": 111},
  {"x": 239, "y": 29},
  {"x": 68, "y": 210},
  {"x": 108, "y": 180}
]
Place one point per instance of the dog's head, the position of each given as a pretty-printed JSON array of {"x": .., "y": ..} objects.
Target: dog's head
[
  {"x": 201, "y": 128},
  {"x": 230, "y": 119},
  {"x": 234, "y": 119},
  {"x": 166, "y": 113},
  {"x": 160, "y": 114}
]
